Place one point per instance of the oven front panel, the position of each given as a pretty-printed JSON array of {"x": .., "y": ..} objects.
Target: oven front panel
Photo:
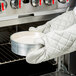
[{"x": 9, "y": 14}]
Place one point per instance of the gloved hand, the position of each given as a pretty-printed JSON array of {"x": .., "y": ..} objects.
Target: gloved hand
[
  {"x": 56, "y": 43},
  {"x": 43, "y": 28},
  {"x": 57, "y": 40}
]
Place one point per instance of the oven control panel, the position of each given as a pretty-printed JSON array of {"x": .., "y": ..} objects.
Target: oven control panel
[
  {"x": 15, "y": 4},
  {"x": 27, "y": 6},
  {"x": 11, "y": 9}
]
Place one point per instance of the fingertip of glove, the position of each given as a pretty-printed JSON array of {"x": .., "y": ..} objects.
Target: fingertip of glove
[
  {"x": 32, "y": 29},
  {"x": 30, "y": 60},
  {"x": 35, "y": 57}
]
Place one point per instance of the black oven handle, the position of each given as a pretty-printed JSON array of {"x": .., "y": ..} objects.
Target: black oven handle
[{"x": 27, "y": 15}]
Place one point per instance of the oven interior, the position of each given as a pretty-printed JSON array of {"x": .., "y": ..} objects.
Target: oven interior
[{"x": 15, "y": 64}]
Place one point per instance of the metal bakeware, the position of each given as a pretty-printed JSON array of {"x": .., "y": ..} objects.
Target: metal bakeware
[{"x": 22, "y": 48}]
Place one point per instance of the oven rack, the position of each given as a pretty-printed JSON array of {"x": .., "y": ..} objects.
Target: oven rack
[{"x": 7, "y": 56}]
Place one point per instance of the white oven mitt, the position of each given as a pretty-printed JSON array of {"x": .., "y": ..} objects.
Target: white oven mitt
[
  {"x": 56, "y": 43},
  {"x": 60, "y": 38}
]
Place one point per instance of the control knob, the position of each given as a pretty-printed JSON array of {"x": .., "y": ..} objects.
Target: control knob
[
  {"x": 48, "y": 2},
  {"x": 35, "y": 3},
  {"x": 15, "y": 4}
]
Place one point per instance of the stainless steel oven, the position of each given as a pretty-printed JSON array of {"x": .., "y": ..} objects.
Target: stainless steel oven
[{"x": 19, "y": 15}]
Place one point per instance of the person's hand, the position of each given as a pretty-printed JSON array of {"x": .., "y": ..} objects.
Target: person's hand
[
  {"x": 55, "y": 40},
  {"x": 42, "y": 28},
  {"x": 56, "y": 43}
]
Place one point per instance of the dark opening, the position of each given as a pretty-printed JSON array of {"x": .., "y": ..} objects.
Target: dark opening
[{"x": 25, "y": 1}]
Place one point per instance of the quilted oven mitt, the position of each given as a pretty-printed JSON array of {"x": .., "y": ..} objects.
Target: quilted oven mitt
[{"x": 59, "y": 38}]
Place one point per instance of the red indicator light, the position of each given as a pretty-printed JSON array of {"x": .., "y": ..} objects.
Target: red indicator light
[
  {"x": 2, "y": 4},
  {"x": 19, "y": 3},
  {"x": 40, "y": 2},
  {"x": 52, "y": 1},
  {"x": 67, "y": 0}
]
